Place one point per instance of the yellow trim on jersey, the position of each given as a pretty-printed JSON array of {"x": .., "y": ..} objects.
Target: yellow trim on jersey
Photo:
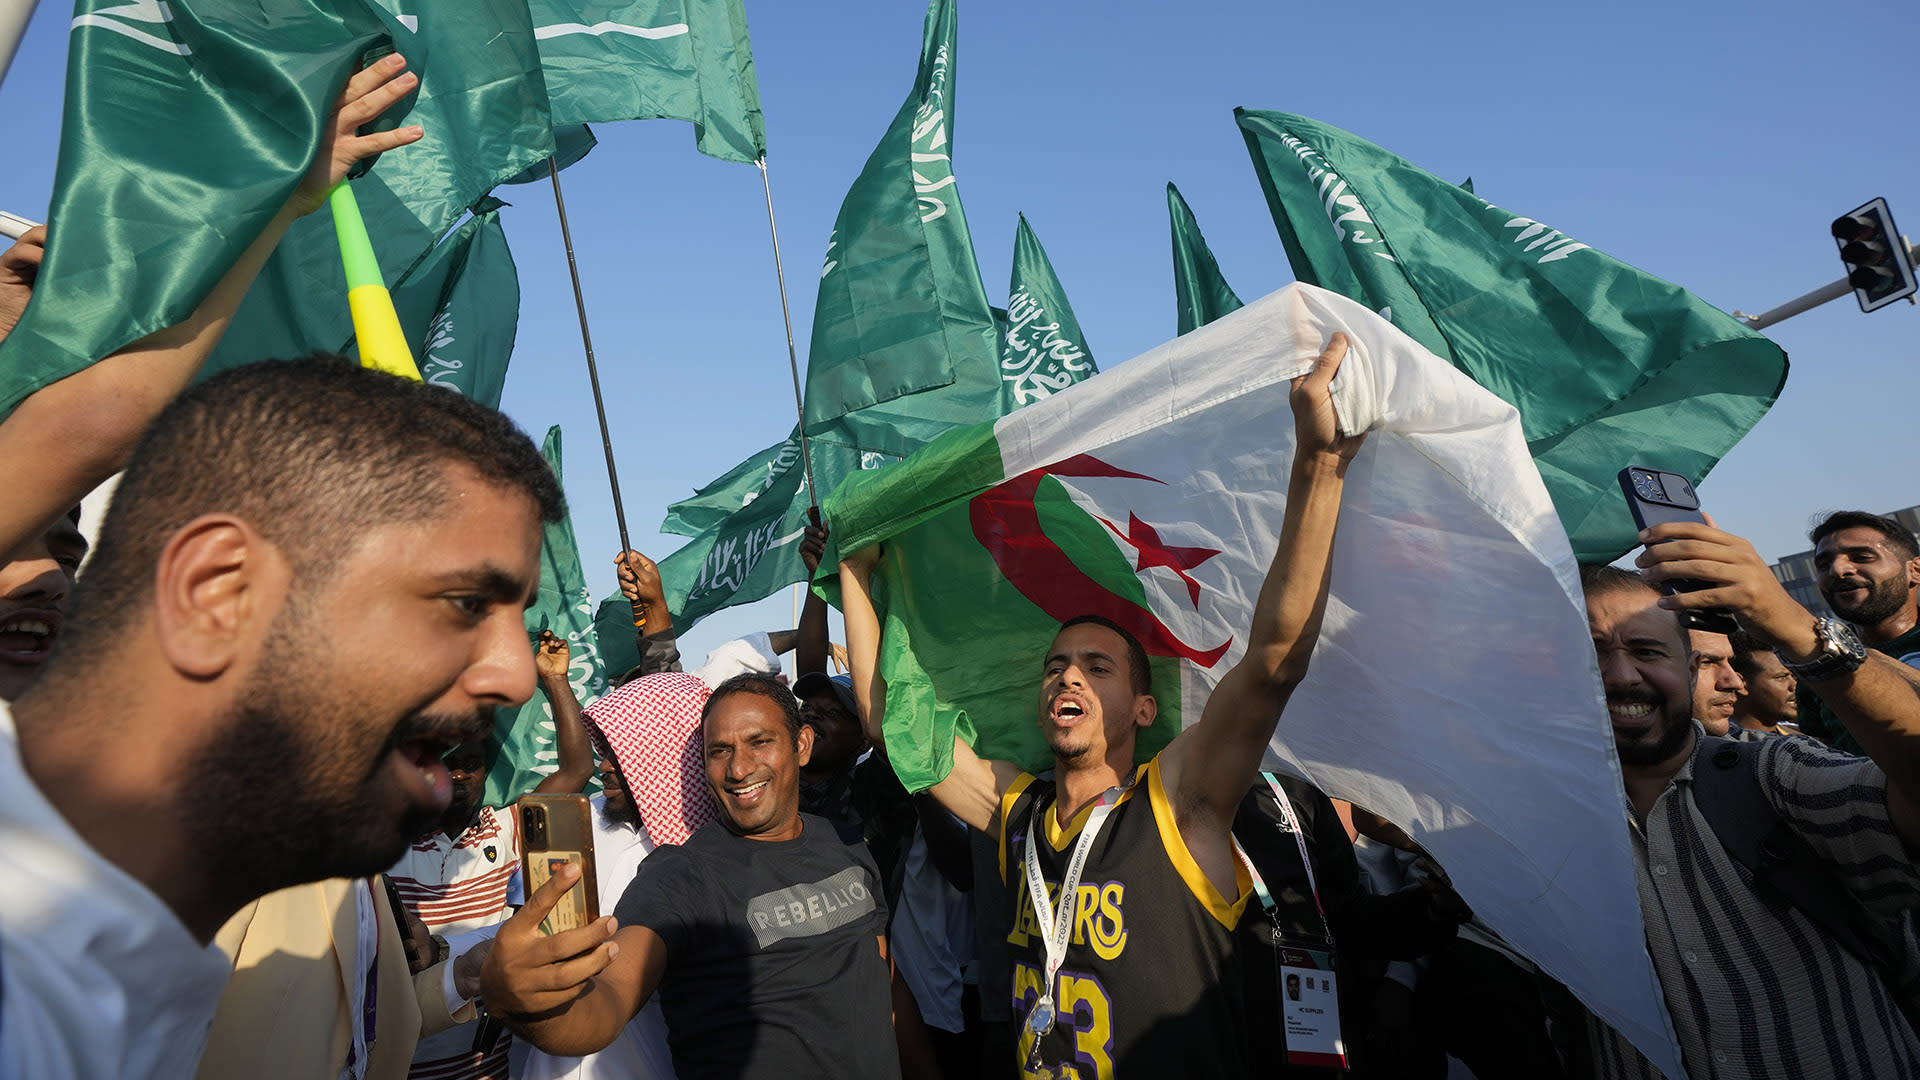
[
  {"x": 1202, "y": 887},
  {"x": 1060, "y": 838},
  {"x": 1007, "y": 798}
]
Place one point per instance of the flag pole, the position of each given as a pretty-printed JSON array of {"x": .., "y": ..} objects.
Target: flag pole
[
  {"x": 793, "y": 360},
  {"x": 586, "y": 340}
]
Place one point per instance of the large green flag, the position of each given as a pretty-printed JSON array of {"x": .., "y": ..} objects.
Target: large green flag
[
  {"x": 526, "y": 735},
  {"x": 186, "y": 127},
  {"x": 901, "y": 308},
  {"x": 1608, "y": 365},
  {"x": 460, "y": 308},
  {"x": 484, "y": 109},
  {"x": 1200, "y": 292},
  {"x": 1042, "y": 350},
  {"x": 609, "y": 60},
  {"x": 714, "y": 503}
]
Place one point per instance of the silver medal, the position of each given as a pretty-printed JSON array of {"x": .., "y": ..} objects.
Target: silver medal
[{"x": 1040, "y": 1020}]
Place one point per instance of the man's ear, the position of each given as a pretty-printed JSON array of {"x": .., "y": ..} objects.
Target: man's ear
[
  {"x": 803, "y": 745},
  {"x": 1145, "y": 709},
  {"x": 1913, "y": 572},
  {"x": 217, "y": 580}
]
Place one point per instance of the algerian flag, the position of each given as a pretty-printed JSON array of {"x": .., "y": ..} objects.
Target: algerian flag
[
  {"x": 609, "y": 60},
  {"x": 526, "y": 735},
  {"x": 460, "y": 308},
  {"x": 1608, "y": 365},
  {"x": 1042, "y": 350},
  {"x": 1200, "y": 292},
  {"x": 1454, "y": 688},
  {"x": 901, "y": 309},
  {"x": 485, "y": 114},
  {"x": 186, "y": 126}
]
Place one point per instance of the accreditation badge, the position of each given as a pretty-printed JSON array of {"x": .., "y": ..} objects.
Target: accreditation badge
[{"x": 1310, "y": 1008}]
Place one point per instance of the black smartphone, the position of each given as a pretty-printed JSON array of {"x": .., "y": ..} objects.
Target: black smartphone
[{"x": 1657, "y": 497}]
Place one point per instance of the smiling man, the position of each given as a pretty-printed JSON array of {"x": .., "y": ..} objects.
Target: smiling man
[
  {"x": 306, "y": 564},
  {"x": 762, "y": 934},
  {"x": 1867, "y": 569},
  {"x": 1740, "y": 989}
]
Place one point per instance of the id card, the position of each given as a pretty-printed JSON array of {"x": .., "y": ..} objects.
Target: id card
[
  {"x": 1310, "y": 1008},
  {"x": 571, "y": 912}
]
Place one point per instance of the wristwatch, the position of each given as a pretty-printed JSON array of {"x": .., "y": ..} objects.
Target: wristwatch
[{"x": 1838, "y": 653}]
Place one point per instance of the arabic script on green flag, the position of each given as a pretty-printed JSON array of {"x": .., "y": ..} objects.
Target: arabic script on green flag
[{"x": 1608, "y": 365}]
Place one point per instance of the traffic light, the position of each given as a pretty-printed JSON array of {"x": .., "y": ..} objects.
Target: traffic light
[{"x": 1879, "y": 266}]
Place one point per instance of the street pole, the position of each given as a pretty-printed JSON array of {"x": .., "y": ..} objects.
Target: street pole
[{"x": 1802, "y": 304}]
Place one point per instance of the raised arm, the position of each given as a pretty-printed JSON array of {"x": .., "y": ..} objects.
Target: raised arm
[
  {"x": 1878, "y": 701},
  {"x": 653, "y": 623},
  {"x": 811, "y": 647},
  {"x": 1209, "y": 767},
  {"x": 971, "y": 792},
  {"x": 570, "y": 739},
  {"x": 68, "y": 437}
]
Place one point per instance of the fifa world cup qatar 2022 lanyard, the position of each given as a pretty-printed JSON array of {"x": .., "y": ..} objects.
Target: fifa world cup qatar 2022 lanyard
[
  {"x": 1059, "y": 923},
  {"x": 1309, "y": 993}
]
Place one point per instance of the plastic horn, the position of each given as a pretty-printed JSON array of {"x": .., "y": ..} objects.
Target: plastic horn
[{"x": 382, "y": 346}]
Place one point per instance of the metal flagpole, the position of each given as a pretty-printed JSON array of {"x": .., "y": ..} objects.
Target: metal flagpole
[
  {"x": 593, "y": 371},
  {"x": 793, "y": 360}
]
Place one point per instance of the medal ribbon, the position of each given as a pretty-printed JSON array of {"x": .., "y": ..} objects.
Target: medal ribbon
[{"x": 1060, "y": 922}]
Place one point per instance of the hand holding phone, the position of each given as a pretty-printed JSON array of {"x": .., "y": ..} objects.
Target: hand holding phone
[
  {"x": 1656, "y": 497},
  {"x": 556, "y": 830}
]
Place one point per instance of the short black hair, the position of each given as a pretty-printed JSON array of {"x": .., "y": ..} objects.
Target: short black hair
[
  {"x": 1600, "y": 579},
  {"x": 314, "y": 454},
  {"x": 1898, "y": 536},
  {"x": 766, "y": 686},
  {"x": 1141, "y": 674},
  {"x": 1745, "y": 645}
]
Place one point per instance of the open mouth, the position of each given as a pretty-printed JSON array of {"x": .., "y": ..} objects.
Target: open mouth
[
  {"x": 749, "y": 793},
  {"x": 1630, "y": 714},
  {"x": 1066, "y": 710},
  {"x": 432, "y": 784},
  {"x": 27, "y": 637}
]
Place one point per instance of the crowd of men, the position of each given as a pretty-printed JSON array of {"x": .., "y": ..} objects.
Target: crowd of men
[{"x": 242, "y": 830}]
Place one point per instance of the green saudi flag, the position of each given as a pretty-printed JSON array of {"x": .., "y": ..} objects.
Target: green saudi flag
[
  {"x": 1608, "y": 365},
  {"x": 1042, "y": 350},
  {"x": 185, "y": 128},
  {"x": 526, "y": 735},
  {"x": 748, "y": 554},
  {"x": 901, "y": 308},
  {"x": 608, "y": 60},
  {"x": 485, "y": 114},
  {"x": 1154, "y": 495},
  {"x": 460, "y": 308},
  {"x": 1200, "y": 292},
  {"x": 714, "y": 503}
]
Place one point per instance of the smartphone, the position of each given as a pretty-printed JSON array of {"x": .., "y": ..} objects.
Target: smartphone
[
  {"x": 556, "y": 830},
  {"x": 1657, "y": 497}
]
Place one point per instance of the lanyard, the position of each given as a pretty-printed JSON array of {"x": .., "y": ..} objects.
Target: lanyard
[
  {"x": 1060, "y": 922},
  {"x": 1292, "y": 823}
]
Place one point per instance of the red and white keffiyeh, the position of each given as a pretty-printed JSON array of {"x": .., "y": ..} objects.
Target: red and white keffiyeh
[{"x": 652, "y": 728}]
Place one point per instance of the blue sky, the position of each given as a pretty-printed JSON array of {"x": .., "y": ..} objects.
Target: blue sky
[{"x": 1708, "y": 143}]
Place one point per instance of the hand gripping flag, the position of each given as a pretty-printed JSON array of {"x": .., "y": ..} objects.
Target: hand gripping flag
[
  {"x": 1608, "y": 365},
  {"x": 1453, "y": 690}
]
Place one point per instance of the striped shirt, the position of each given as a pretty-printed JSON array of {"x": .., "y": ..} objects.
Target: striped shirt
[
  {"x": 458, "y": 884},
  {"x": 1755, "y": 988}
]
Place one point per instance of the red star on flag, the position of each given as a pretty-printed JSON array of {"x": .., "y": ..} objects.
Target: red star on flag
[{"x": 1146, "y": 540}]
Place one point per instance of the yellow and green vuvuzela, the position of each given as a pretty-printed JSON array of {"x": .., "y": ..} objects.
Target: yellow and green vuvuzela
[{"x": 375, "y": 325}]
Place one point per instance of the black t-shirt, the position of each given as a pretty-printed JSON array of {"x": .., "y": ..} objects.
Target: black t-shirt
[{"x": 772, "y": 965}]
